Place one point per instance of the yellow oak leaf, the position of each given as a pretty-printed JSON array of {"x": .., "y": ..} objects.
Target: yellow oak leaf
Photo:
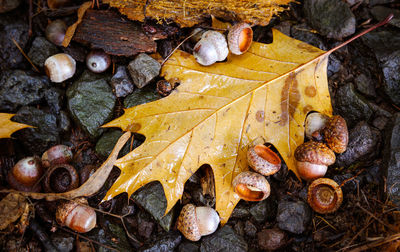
[
  {"x": 7, "y": 127},
  {"x": 217, "y": 111}
]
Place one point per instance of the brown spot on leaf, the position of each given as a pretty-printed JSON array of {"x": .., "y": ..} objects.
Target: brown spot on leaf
[
  {"x": 307, "y": 47},
  {"x": 307, "y": 108},
  {"x": 311, "y": 91},
  {"x": 134, "y": 127},
  {"x": 290, "y": 98},
  {"x": 260, "y": 116}
]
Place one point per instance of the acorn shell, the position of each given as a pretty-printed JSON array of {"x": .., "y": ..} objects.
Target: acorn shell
[
  {"x": 245, "y": 184},
  {"x": 76, "y": 215},
  {"x": 324, "y": 196},
  {"x": 58, "y": 154},
  {"x": 60, "y": 67},
  {"x": 336, "y": 134},
  {"x": 187, "y": 223},
  {"x": 240, "y": 37},
  {"x": 263, "y": 160}
]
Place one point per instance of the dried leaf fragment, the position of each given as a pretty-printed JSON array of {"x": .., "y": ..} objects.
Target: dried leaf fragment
[{"x": 11, "y": 208}]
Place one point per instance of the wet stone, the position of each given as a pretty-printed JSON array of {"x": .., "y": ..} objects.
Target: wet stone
[
  {"x": 225, "y": 239},
  {"x": 240, "y": 212},
  {"x": 91, "y": 102},
  {"x": 263, "y": 210},
  {"x": 271, "y": 239},
  {"x": 166, "y": 243},
  {"x": 250, "y": 229},
  {"x": 352, "y": 106},
  {"x": 12, "y": 25},
  {"x": 55, "y": 99},
  {"x": 381, "y": 12},
  {"x": 392, "y": 160},
  {"x": 363, "y": 144},
  {"x": 293, "y": 216},
  {"x": 365, "y": 85},
  {"x": 45, "y": 134},
  {"x": 40, "y": 50},
  {"x": 62, "y": 241},
  {"x": 141, "y": 96},
  {"x": 143, "y": 69},
  {"x": 107, "y": 141},
  {"x": 152, "y": 198},
  {"x": 188, "y": 247},
  {"x": 121, "y": 83},
  {"x": 19, "y": 88},
  {"x": 332, "y": 18}
]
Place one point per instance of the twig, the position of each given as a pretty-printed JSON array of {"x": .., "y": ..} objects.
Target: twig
[
  {"x": 23, "y": 53},
  {"x": 395, "y": 229},
  {"x": 377, "y": 243},
  {"x": 349, "y": 179}
]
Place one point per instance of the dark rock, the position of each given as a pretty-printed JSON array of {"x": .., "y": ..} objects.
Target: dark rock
[
  {"x": 91, "y": 102},
  {"x": 363, "y": 143},
  {"x": 293, "y": 216},
  {"x": 282, "y": 173},
  {"x": 385, "y": 43},
  {"x": 263, "y": 210},
  {"x": 250, "y": 229},
  {"x": 351, "y": 106},
  {"x": 166, "y": 243},
  {"x": 284, "y": 27},
  {"x": 225, "y": 239},
  {"x": 188, "y": 247},
  {"x": 303, "y": 32},
  {"x": 143, "y": 69},
  {"x": 62, "y": 241},
  {"x": 365, "y": 85},
  {"x": 377, "y": 2},
  {"x": 40, "y": 50},
  {"x": 381, "y": 12},
  {"x": 12, "y": 25},
  {"x": 145, "y": 226},
  {"x": 152, "y": 198},
  {"x": 55, "y": 99},
  {"x": 64, "y": 123},
  {"x": 19, "y": 88},
  {"x": 141, "y": 96},
  {"x": 45, "y": 134},
  {"x": 8, "y": 5},
  {"x": 271, "y": 239},
  {"x": 332, "y": 18},
  {"x": 239, "y": 228},
  {"x": 348, "y": 187},
  {"x": 392, "y": 160},
  {"x": 121, "y": 83},
  {"x": 380, "y": 122},
  {"x": 240, "y": 211},
  {"x": 76, "y": 51},
  {"x": 107, "y": 141}
]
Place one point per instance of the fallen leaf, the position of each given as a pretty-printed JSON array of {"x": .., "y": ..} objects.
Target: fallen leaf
[
  {"x": 71, "y": 30},
  {"x": 187, "y": 13},
  {"x": 217, "y": 111},
  {"x": 91, "y": 186},
  {"x": 7, "y": 127},
  {"x": 11, "y": 208}
]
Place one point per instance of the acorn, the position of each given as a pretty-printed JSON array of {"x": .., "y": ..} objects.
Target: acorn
[
  {"x": 61, "y": 178},
  {"x": 76, "y": 215},
  {"x": 195, "y": 222},
  {"x": 211, "y": 48},
  {"x": 263, "y": 160},
  {"x": 58, "y": 154},
  {"x": 251, "y": 186},
  {"x": 55, "y": 32},
  {"x": 324, "y": 196},
  {"x": 60, "y": 67},
  {"x": 313, "y": 159},
  {"x": 98, "y": 61},
  {"x": 240, "y": 37},
  {"x": 336, "y": 134},
  {"x": 315, "y": 122},
  {"x": 25, "y": 175}
]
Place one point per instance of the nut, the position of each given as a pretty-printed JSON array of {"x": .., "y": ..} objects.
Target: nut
[
  {"x": 324, "y": 196},
  {"x": 251, "y": 186},
  {"x": 60, "y": 67},
  {"x": 98, "y": 61},
  {"x": 240, "y": 37},
  {"x": 336, "y": 134},
  {"x": 263, "y": 160},
  {"x": 211, "y": 48}
]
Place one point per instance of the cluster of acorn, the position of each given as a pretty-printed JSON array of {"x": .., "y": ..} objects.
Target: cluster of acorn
[
  {"x": 54, "y": 173},
  {"x": 212, "y": 46},
  {"x": 62, "y": 66},
  {"x": 312, "y": 158}
]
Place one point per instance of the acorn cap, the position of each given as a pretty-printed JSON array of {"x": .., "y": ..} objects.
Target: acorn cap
[
  {"x": 324, "y": 196},
  {"x": 187, "y": 223},
  {"x": 336, "y": 134},
  {"x": 240, "y": 37},
  {"x": 251, "y": 186},
  {"x": 315, "y": 153},
  {"x": 263, "y": 160}
]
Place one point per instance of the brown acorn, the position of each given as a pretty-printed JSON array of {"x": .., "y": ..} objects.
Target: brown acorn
[
  {"x": 313, "y": 159},
  {"x": 324, "y": 195},
  {"x": 195, "y": 222},
  {"x": 25, "y": 174},
  {"x": 263, "y": 160},
  {"x": 251, "y": 186},
  {"x": 58, "y": 154},
  {"x": 55, "y": 32},
  {"x": 76, "y": 215},
  {"x": 60, "y": 67},
  {"x": 336, "y": 134}
]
